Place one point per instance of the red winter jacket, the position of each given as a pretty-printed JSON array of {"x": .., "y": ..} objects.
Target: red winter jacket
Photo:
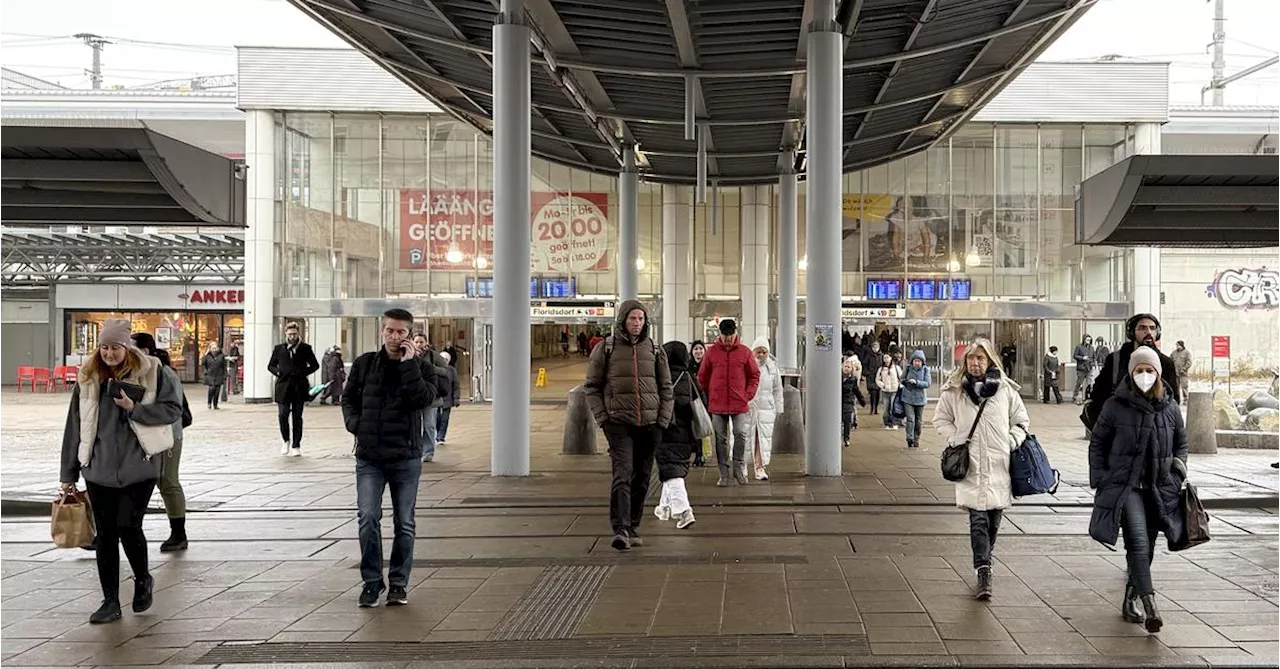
[{"x": 729, "y": 375}]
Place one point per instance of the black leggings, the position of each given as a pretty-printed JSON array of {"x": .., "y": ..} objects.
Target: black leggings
[
  {"x": 1139, "y": 538},
  {"x": 215, "y": 394},
  {"x": 874, "y": 398},
  {"x": 117, "y": 516}
]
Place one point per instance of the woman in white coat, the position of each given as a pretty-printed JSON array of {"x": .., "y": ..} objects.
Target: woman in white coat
[
  {"x": 987, "y": 490},
  {"x": 765, "y": 407}
]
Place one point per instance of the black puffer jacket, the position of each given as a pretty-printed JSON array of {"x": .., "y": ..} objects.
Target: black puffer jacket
[
  {"x": 1135, "y": 441},
  {"x": 378, "y": 406},
  {"x": 850, "y": 394},
  {"x": 677, "y": 440}
]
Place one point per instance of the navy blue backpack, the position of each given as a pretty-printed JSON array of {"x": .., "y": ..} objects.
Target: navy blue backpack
[{"x": 1030, "y": 471}]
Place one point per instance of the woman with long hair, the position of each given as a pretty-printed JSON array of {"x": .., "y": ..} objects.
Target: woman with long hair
[
  {"x": 214, "y": 366},
  {"x": 981, "y": 405},
  {"x": 121, "y": 418},
  {"x": 1137, "y": 463},
  {"x": 697, "y": 350}
]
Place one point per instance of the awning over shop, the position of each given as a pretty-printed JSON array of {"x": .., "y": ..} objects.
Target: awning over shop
[
  {"x": 54, "y": 175},
  {"x": 1223, "y": 201}
]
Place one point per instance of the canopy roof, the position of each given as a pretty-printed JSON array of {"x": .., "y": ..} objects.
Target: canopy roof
[
  {"x": 607, "y": 74},
  {"x": 1213, "y": 201},
  {"x": 95, "y": 175}
]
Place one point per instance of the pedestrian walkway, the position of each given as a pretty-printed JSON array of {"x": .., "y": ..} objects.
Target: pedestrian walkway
[{"x": 871, "y": 569}]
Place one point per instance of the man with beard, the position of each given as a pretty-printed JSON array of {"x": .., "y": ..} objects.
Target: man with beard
[{"x": 1142, "y": 330}]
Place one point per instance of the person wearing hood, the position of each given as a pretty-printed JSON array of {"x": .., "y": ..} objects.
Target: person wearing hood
[
  {"x": 1142, "y": 330},
  {"x": 1137, "y": 463},
  {"x": 915, "y": 380},
  {"x": 677, "y": 439},
  {"x": 1083, "y": 356},
  {"x": 765, "y": 407},
  {"x": 629, "y": 391},
  {"x": 730, "y": 375},
  {"x": 1052, "y": 374},
  {"x": 981, "y": 405},
  {"x": 112, "y": 439},
  {"x": 214, "y": 366}
]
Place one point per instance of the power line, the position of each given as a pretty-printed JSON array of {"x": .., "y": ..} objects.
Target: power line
[{"x": 1255, "y": 46}]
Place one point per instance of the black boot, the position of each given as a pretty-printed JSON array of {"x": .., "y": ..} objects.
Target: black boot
[
  {"x": 142, "y": 593},
  {"x": 1154, "y": 623},
  {"x": 177, "y": 540},
  {"x": 109, "y": 612},
  {"x": 1129, "y": 608},
  {"x": 983, "y": 591}
]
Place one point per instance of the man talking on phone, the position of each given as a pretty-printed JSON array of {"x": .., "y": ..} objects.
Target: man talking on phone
[{"x": 386, "y": 391}]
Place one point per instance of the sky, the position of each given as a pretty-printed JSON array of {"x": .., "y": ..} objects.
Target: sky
[{"x": 155, "y": 40}]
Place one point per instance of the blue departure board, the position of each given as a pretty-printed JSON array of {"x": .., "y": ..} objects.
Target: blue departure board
[
  {"x": 558, "y": 287},
  {"x": 922, "y": 289},
  {"x": 483, "y": 287},
  {"x": 884, "y": 289},
  {"x": 956, "y": 289}
]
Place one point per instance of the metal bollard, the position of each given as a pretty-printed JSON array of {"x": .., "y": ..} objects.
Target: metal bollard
[
  {"x": 579, "y": 425},
  {"x": 788, "y": 431},
  {"x": 1202, "y": 428}
]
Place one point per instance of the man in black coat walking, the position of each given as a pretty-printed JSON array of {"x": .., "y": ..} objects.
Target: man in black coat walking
[
  {"x": 381, "y": 406},
  {"x": 291, "y": 363},
  {"x": 1142, "y": 330}
]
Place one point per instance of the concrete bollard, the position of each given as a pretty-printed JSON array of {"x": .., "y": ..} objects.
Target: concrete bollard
[
  {"x": 788, "y": 431},
  {"x": 579, "y": 425},
  {"x": 1202, "y": 434}
]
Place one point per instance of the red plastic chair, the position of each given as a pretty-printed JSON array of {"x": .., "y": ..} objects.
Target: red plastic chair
[
  {"x": 71, "y": 374},
  {"x": 42, "y": 378},
  {"x": 26, "y": 373},
  {"x": 59, "y": 377}
]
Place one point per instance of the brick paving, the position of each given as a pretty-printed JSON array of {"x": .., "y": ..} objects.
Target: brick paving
[{"x": 875, "y": 563}]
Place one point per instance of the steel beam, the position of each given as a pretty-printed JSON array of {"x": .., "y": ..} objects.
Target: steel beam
[{"x": 931, "y": 6}]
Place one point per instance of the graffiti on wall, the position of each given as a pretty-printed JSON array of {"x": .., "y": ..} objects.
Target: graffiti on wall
[{"x": 1246, "y": 288}]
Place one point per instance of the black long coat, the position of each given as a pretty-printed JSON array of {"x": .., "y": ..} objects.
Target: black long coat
[
  {"x": 677, "y": 439},
  {"x": 1135, "y": 440},
  {"x": 291, "y": 372}
]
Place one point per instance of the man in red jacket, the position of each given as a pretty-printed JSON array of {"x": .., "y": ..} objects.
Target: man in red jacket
[{"x": 729, "y": 375}]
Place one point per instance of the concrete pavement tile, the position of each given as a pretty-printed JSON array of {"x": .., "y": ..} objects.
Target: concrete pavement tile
[
  {"x": 186, "y": 625},
  {"x": 903, "y": 635},
  {"x": 1231, "y": 619},
  {"x": 44, "y": 627},
  {"x": 693, "y": 573},
  {"x": 1146, "y": 646},
  {"x": 1109, "y": 625},
  {"x": 1005, "y": 613},
  {"x": 1044, "y": 624},
  {"x": 1199, "y": 636},
  {"x": 1053, "y": 643},
  {"x": 754, "y": 624},
  {"x": 447, "y": 636},
  {"x": 1261, "y": 648},
  {"x": 975, "y": 647},
  {"x": 981, "y": 629},
  {"x": 306, "y": 637},
  {"x": 478, "y": 604},
  {"x": 692, "y": 629},
  {"x": 458, "y": 620},
  {"x": 1083, "y": 597},
  {"x": 1255, "y": 606},
  {"x": 328, "y": 622},
  {"x": 11, "y": 647},
  {"x": 58, "y": 654},
  {"x": 388, "y": 631},
  {"x": 514, "y": 576},
  {"x": 825, "y": 614},
  {"x": 814, "y": 628},
  {"x": 896, "y": 620},
  {"x": 1212, "y": 654},
  {"x": 957, "y": 587},
  {"x": 754, "y": 568},
  {"x": 817, "y": 570},
  {"x": 465, "y": 573},
  {"x": 119, "y": 632},
  {"x": 289, "y": 613},
  {"x": 893, "y": 648},
  {"x": 132, "y": 656}
]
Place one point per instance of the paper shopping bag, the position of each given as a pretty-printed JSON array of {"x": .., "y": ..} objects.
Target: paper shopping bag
[{"x": 72, "y": 523}]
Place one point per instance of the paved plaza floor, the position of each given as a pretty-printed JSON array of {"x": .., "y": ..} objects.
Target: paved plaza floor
[{"x": 871, "y": 569}]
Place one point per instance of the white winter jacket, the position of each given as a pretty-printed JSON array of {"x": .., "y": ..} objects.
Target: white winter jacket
[
  {"x": 889, "y": 379},
  {"x": 768, "y": 399},
  {"x": 1003, "y": 428}
]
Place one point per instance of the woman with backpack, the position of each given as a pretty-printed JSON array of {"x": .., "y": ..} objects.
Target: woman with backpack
[
  {"x": 980, "y": 405},
  {"x": 122, "y": 412},
  {"x": 1137, "y": 463},
  {"x": 677, "y": 439}
]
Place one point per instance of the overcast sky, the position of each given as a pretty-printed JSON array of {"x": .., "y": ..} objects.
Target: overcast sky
[{"x": 170, "y": 39}]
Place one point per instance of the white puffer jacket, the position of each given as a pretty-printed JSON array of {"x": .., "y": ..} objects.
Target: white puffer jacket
[
  {"x": 889, "y": 379},
  {"x": 1002, "y": 429},
  {"x": 768, "y": 399}
]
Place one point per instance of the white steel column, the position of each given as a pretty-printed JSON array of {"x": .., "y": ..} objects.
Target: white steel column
[
  {"x": 259, "y": 254},
  {"x": 628, "y": 245},
  {"x": 511, "y": 244},
  {"x": 787, "y": 261},
  {"x": 822, "y": 443},
  {"x": 755, "y": 263},
  {"x": 677, "y": 263},
  {"x": 1146, "y": 260}
]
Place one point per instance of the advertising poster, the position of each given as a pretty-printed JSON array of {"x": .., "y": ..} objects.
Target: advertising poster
[
  {"x": 824, "y": 336},
  {"x": 897, "y": 229},
  {"x": 569, "y": 233}
]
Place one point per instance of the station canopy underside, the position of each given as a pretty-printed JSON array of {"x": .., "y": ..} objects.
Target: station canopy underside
[
  {"x": 102, "y": 176},
  {"x": 45, "y": 258},
  {"x": 606, "y": 74},
  {"x": 1197, "y": 201}
]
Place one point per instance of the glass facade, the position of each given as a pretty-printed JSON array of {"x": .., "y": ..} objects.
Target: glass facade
[
  {"x": 374, "y": 205},
  {"x": 186, "y": 335}
]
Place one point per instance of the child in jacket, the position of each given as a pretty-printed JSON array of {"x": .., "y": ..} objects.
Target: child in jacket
[{"x": 850, "y": 396}]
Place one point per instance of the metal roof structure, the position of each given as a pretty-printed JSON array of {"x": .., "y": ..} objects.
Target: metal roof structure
[
  {"x": 44, "y": 258},
  {"x": 1212, "y": 201},
  {"x": 88, "y": 175},
  {"x": 609, "y": 74}
]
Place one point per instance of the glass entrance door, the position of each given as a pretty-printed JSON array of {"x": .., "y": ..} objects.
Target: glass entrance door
[{"x": 1020, "y": 349}]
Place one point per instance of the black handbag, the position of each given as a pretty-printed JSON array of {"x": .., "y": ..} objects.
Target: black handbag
[
  {"x": 955, "y": 459},
  {"x": 1194, "y": 527}
]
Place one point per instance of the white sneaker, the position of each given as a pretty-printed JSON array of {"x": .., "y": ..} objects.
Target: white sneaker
[
  {"x": 662, "y": 512},
  {"x": 284, "y": 449},
  {"x": 295, "y": 452},
  {"x": 440, "y": 442},
  {"x": 686, "y": 519},
  {"x": 762, "y": 475}
]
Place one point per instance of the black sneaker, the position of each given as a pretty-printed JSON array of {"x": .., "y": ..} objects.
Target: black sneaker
[
  {"x": 634, "y": 539},
  {"x": 369, "y": 595},
  {"x": 142, "y": 593},
  {"x": 109, "y": 612},
  {"x": 397, "y": 596}
]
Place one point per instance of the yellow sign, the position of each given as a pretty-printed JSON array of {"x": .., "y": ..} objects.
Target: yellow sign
[
  {"x": 867, "y": 206},
  {"x": 542, "y": 378}
]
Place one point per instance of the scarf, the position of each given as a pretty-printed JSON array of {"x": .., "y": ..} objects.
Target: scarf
[{"x": 980, "y": 388}]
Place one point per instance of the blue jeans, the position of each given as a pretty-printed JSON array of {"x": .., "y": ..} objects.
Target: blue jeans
[
  {"x": 915, "y": 419},
  {"x": 429, "y": 432},
  {"x": 442, "y": 422},
  {"x": 371, "y": 479}
]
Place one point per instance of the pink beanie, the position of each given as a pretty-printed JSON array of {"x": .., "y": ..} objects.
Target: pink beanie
[{"x": 115, "y": 331}]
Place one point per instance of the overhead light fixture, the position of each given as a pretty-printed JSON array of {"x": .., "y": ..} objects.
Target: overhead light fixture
[
  {"x": 481, "y": 262},
  {"x": 804, "y": 263},
  {"x": 453, "y": 255},
  {"x": 973, "y": 259},
  {"x": 639, "y": 264},
  {"x": 954, "y": 264}
]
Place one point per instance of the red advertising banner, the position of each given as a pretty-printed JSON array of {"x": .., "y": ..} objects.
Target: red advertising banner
[
  {"x": 568, "y": 232},
  {"x": 1221, "y": 346}
]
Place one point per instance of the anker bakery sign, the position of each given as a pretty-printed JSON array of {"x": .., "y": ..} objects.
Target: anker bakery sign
[{"x": 213, "y": 296}]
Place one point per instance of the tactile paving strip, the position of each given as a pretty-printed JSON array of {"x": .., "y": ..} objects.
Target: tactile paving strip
[
  {"x": 752, "y": 649},
  {"x": 555, "y": 605}
]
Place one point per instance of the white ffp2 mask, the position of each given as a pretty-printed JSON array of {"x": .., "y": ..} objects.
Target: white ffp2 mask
[{"x": 1145, "y": 380}]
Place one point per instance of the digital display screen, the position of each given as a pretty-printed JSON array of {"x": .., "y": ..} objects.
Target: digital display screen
[
  {"x": 558, "y": 287},
  {"x": 884, "y": 289},
  {"x": 922, "y": 289},
  {"x": 956, "y": 289},
  {"x": 483, "y": 287}
]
